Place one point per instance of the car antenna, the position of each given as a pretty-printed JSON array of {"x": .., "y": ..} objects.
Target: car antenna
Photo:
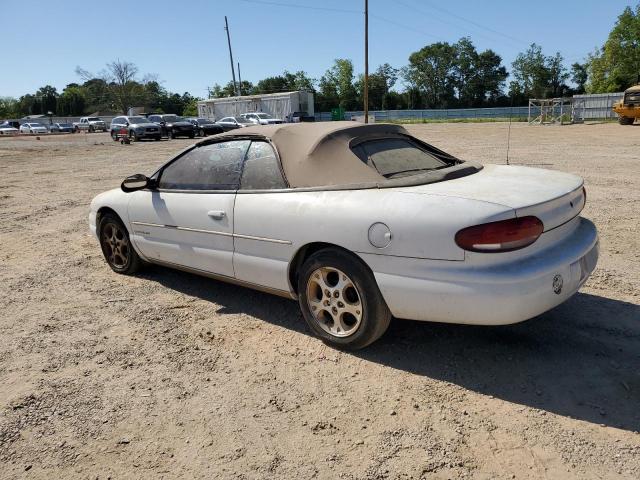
[{"x": 509, "y": 131}]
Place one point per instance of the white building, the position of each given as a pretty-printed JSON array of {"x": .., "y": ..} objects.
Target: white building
[{"x": 278, "y": 105}]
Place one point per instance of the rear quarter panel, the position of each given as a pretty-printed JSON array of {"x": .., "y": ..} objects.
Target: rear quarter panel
[{"x": 422, "y": 226}]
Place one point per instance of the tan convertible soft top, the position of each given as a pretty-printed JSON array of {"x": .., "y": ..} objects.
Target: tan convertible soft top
[{"x": 319, "y": 154}]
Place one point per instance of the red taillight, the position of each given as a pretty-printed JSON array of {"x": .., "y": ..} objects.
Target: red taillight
[{"x": 502, "y": 236}]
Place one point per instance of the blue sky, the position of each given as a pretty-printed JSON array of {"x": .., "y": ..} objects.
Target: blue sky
[{"x": 184, "y": 42}]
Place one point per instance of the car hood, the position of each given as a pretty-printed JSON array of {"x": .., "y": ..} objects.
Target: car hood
[
  {"x": 555, "y": 197},
  {"x": 145, "y": 124}
]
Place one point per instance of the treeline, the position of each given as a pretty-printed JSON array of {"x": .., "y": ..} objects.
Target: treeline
[
  {"x": 114, "y": 90},
  {"x": 439, "y": 75}
]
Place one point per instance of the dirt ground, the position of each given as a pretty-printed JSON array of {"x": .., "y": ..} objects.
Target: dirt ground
[{"x": 169, "y": 375}]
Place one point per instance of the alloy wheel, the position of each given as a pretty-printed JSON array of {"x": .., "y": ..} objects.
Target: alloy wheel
[
  {"x": 334, "y": 301},
  {"x": 116, "y": 245}
]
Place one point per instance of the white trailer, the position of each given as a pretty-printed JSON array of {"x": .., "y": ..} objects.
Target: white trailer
[{"x": 278, "y": 105}]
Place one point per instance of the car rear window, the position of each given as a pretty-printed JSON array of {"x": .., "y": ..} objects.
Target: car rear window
[{"x": 398, "y": 157}]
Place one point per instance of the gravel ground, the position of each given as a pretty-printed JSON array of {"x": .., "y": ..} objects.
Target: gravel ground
[{"x": 167, "y": 375}]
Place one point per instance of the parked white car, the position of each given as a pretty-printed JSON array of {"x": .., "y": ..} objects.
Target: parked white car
[
  {"x": 359, "y": 223},
  {"x": 90, "y": 124},
  {"x": 33, "y": 128},
  {"x": 6, "y": 129},
  {"x": 261, "y": 118}
]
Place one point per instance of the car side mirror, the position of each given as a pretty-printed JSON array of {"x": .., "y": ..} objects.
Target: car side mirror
[
  {"x": 126, "y": 123},
  {"x": 137, "y": 182}
]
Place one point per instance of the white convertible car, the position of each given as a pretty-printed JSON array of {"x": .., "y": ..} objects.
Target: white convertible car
[{"x": 359, "y": 223}]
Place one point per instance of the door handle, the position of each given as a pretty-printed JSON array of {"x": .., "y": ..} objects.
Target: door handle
[{"x": 216, "y": 214}]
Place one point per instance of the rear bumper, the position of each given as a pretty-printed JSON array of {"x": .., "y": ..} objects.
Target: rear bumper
[{"x": 458, "y": 292}]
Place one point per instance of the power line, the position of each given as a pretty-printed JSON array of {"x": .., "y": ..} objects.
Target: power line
[
  {"x": 407, "y": 27},
  {"x": 441, "y": 20},
  {"x": 472, "y": 22}
]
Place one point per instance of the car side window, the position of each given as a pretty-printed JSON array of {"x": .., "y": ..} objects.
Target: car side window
[
  {"x": 211, "y": 167},
  {"x": 261, "y": 169}
]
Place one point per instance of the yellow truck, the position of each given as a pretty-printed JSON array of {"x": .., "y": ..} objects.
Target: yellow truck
[{"x": 628, "y": 109}]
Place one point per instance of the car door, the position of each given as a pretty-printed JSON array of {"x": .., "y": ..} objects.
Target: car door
[
  {"x": 188, "y": 219},
  {"x": 262, "y": 248}
]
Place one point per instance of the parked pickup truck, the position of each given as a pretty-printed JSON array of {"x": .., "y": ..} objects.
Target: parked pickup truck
[
  {"x": 90, "y": 124},
  {"x": 296, "y": 117}
]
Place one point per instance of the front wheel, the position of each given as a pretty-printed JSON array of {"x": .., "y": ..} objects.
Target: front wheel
[
  {"x": 116, "y": 245},
  {"x": 133, "y": 136},
  {"x": 341, "y": 301},
  {"x": 625, "y": 120}
]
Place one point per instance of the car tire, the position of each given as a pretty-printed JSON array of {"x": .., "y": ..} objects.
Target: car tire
[
  {"x": 625, "y": 120},
  {"x": 202, "y": 134},
  {"x": 157, "y": 138},
  {"x": 170, "y": 134},
  {"x": 116, "y": 245},
  {"x": 132, "y": 136},
  {"x": 340, "y": 300},
  {"x": 192, "y": 135},
  {"x": 90, "y": 129}
]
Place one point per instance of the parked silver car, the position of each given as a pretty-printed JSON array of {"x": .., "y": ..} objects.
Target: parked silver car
[{"x": 136, "y": 127}]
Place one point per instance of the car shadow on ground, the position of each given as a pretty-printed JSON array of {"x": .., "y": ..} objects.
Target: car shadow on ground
[{"x": 580, "y": 360}]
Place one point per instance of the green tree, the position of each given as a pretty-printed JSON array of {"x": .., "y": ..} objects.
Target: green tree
[
  {"x": 48, "y": 97},
  {"x": 72, "y": 100},
  {"x": 337, "y": 83},
  {"x": 123, "y": 89},
  {"x": 579, "y": 76},
  {"x": 538, "y": 76},
  {"x": 9, "y": 107},
  {"x": 616, "y": 66},
  {"x": 431, "y": 71},
  {"x": 29, "y": 105},
  {"x": 381, "y": 81}
]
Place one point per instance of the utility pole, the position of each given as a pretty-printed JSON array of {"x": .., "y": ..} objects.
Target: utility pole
[
  {"x": 366, "y": 61},
  {"x": 239, "y": 79},
  {"x": 233, "y": 72}
]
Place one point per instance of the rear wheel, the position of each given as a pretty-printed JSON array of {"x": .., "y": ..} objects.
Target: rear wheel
[
  {"x": 625, "y": 120},
  {"x": 341, "y": 301},
  {"x": 170, "y": 134},
  {"x": 116, "y": 246}
]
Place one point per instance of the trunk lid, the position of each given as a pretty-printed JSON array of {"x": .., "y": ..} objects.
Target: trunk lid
[{"x": 553, "y": 197}]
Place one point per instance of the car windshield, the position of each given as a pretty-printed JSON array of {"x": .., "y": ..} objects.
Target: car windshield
[
  {"x": 36, "y": 125},
  {"x": 398, "y": 157},
  {"x": 243, "y": 120},
  {"x": 94, "y": 119},
  {"x": 138, "y": 120},
  {"x": 171, "y": 118}
]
